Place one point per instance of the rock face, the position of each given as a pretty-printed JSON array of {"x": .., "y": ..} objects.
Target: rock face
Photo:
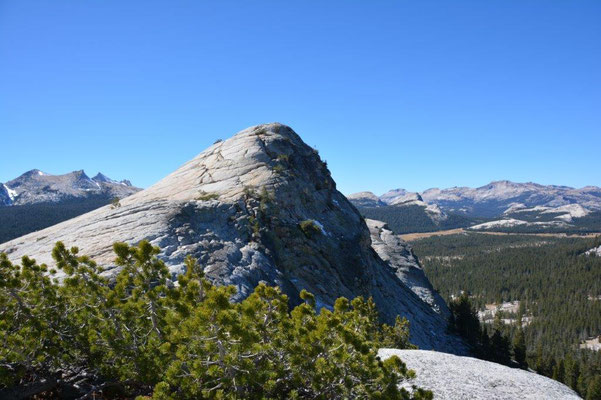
[
  {"x": 36, "y": 186},
  {"x": 260, "y": 206},
  {"x": 365, "y": 199},
  {"x": 395, "y": 194},
  {"x": 452, "y": 377},
  {"x": 399, "y": 255},
  {"x": 594, "y": 252},
  {"x": 406, "y": 198}
]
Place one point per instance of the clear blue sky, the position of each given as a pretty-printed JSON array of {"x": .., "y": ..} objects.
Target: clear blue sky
[{"x": 411, "y": 94}]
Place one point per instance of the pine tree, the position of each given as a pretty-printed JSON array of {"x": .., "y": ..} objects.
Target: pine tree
[
  {"x": 142, "y": 335},
  {"x": 572, "y": 372},
  {"x": 519, "y": 348},
  {"x": 464, "y": 319},
  {"x": 559, "y": 371},
  {"x": 594, "y": 389}
]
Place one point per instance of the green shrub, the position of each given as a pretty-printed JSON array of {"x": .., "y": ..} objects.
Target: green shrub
[
  {"x": 254, "y": 225},
  {"x": 142, "y": 336},
  {"x": 115, "y": 203},
  {"x": 309, "y": 228},
  {"x": 204, "y": 196},
  {"x": 249, "y": 192}
]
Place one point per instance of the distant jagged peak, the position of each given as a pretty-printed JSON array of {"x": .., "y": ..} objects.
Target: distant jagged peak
[
  {"x": 102, "y": 178},
  {"x": 31, "y": 174},
  {"x": 80, "y": 175},
  {"x": 35, "y": 186},
  {"x": 34, "y": 172}
]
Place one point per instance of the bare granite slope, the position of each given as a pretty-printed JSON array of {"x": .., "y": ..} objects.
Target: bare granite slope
[
  {"x": 399, "y": 255},
  {"x": 261, "y": 206},
  {"x": 452, "y": 377}
]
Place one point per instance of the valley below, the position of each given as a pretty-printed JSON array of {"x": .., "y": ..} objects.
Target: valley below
[{"x": 542, "y": 286}]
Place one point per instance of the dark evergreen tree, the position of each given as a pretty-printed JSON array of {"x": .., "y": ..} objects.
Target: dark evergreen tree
[
  {"x": 594, "y": 389},
  {"x": 519, "y": 347},
  {"x": 464, "y": 319}
]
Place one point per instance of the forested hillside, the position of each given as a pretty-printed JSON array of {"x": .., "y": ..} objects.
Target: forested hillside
[
  {"x": 413, "y": 218},
  {"x": 558, "y": 287}
]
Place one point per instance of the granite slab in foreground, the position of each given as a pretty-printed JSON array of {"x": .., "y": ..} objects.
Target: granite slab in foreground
[{"x": 452, "y": 377}]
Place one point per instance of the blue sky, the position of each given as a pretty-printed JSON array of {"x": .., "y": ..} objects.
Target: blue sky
[{"x": 412, "y": 94}]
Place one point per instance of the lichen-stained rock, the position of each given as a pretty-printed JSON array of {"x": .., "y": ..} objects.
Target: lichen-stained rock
[
  {"x": 451, "y": 377},
  {"x": 260, "y": 206}
]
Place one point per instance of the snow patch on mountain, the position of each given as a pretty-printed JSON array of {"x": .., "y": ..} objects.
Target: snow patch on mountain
[{"x": 12, "y": 194}]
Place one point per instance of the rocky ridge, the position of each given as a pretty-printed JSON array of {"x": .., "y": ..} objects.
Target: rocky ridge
[
  {"x": 399, "y": 255},
  {"x": 504, "y": 205},
  {"x": 502, "y": 197},
  {"x": 36, "y": 186},
  {"x": 261, "y": 206},
  {"x": 497, "y": 197}
]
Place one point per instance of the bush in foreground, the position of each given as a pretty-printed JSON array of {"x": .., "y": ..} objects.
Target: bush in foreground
[{"x": 142, "y": 335}]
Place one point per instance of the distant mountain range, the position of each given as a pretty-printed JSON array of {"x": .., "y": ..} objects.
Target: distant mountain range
[
  {"x": 36, "y": 186},
  {"x": 500, "y": 205},
  {"x": 36, "y": 200}
]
